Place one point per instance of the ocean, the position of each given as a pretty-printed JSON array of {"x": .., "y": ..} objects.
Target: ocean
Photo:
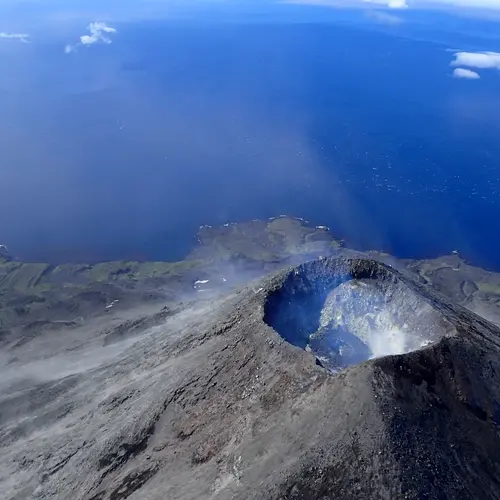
[{"x": 122, "y": 151}]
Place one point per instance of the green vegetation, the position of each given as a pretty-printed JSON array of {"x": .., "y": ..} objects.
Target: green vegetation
[{"x": 489, "y": 288}]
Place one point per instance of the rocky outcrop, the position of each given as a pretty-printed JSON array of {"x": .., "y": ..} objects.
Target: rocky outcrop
[{"x": 4, "y": 254}]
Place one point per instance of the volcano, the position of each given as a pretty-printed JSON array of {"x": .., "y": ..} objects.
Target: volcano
[{"x": 340, "y": 377}]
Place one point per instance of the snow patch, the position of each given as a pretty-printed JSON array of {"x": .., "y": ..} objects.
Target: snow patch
[{"x": 109, "y": 306}]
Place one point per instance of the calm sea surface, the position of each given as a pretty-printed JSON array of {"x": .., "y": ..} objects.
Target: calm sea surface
[{"x": 122, "y": 151}]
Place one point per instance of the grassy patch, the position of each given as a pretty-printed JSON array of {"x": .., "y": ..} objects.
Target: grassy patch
[{"x": 488, "y": 288}]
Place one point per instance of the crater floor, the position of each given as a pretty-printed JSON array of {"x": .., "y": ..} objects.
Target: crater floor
[{"x": 350, "y": 312}]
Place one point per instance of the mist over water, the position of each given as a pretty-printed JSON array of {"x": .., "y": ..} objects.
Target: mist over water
[{"x": 122, "y": 152}]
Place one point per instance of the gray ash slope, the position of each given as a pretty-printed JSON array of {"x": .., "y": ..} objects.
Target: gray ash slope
[{"x": 210, "y": 398}]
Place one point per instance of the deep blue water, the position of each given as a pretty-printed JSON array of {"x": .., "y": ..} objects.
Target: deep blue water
[{"x": 122, "y": 151}]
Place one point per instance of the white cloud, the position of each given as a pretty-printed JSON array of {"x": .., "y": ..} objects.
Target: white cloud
[
  {"x": 480, "y": 60},
  {"x": 401, "y": 4},
  {"x": 392, "y": 4},
  {"x": 478, "y": 4},
  {"x": 397, "y": 4},
  {"x": 468, "y": 74},
  {"x": 22, "y": 37},
  {"x": 99, "y": 33}
]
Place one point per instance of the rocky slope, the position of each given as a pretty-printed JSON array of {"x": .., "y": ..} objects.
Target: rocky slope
[{"x": 241, "y": 373}]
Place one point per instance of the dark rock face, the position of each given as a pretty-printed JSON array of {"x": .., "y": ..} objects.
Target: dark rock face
[
  {"x": 214, "y": 403},
  {"x": 336, "y": 348}
]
